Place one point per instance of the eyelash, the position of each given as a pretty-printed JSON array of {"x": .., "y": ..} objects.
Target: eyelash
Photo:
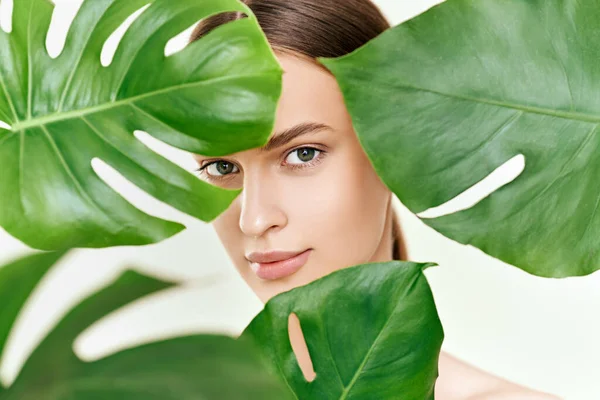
[{"x": 318, "y": 158}]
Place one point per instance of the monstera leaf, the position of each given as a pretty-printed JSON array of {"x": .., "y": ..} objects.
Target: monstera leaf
[
  {"x": 372, "y": 332},
  {"x": 441, "y": 101},
  {"x": 216, "y": 96},
  {"x": 191, "y": 367}
]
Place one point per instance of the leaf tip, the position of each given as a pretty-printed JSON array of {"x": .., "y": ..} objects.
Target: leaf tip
[
  {"x": 427, "y": 265},
  {"x": 131, "y": 276}
]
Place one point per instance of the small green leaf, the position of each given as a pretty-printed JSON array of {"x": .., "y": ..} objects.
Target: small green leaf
[
  {"x": 372, "y": 332},
  {"x": 217, "y": 96}
]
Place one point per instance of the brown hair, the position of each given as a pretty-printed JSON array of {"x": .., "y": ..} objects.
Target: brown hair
[{"x": 311, "y": 29}]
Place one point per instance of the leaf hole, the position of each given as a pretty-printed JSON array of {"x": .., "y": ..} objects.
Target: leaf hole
[
  {"x": 112, "y": 42},
  {"x": 62, "y": 17},
  {"x": 6, "y": 10},
  {"x": 300, "y": 348},
  {"x": 134, "y": 195},
  {"x": 182, "y": 158},
  {"x": 501, "y": 176},
  {"x": 4, "y": 125},
  {"x": 206, "y": 25},
  {"x": 134, "y": 323},
  {"x": 180, "y": 41}
]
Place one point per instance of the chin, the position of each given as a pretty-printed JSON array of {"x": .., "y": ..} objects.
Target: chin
[{"x": 267, "y": 289}]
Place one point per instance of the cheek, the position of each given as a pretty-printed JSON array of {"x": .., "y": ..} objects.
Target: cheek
[
  {"x": 226, "y": 226},
  {"x": 341, "y": 209}
]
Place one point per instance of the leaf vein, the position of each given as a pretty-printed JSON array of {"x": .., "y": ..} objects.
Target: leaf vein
[
  {"x": 77, "y": 63},
  {"x": 29, "y": 72},
  {"x": 559, "y": 175},
  {"x": 11, "y": 134},
  {"x": 69, "y": 172},
  {"x": 368, "y": 354},
  {"x": 337, "y": 371},
  {"x": 8, "y": 98},
  {"x": 55, "y": 117},
  {"x": 97, "y": 132},
  {"x": 591, "y": 219},
  {"x": 548, "y": 187},
  {"x": 136, "y": 107},
  {"x": 560, "y": 61},
  {"x": 21, "y": 166},
  {"x": 577, "y": 116},
  {"x": 505, "y": 125}
]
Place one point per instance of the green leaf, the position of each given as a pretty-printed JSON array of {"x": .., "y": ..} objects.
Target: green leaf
[
  {"x": 17, "y": 281},
  {"x": 372, "y": 332},
  {"x": 441, "y": 101},
  {"x": 217, "y": 96},
  {"x": 191, "y": 367}
]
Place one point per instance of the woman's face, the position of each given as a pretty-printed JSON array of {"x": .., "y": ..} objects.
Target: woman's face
[{"x": 312, "y": 191}]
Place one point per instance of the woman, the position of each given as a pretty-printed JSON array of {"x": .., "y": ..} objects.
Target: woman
[{"x": 312, "y": 202}]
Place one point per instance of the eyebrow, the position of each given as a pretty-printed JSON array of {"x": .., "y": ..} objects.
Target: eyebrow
[
  {"x": 284, "y": 137},
  {"x": 287, "y": 135}
]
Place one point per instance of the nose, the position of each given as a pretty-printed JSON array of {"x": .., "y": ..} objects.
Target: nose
[{"x": 260, "y": 208}]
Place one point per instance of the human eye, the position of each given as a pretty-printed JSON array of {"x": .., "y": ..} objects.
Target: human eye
[
  {"x": 218, "y": 169},
  {"x": 304, "y": 157}
]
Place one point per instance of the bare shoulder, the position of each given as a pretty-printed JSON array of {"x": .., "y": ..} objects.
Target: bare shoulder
[{"x": 461, "y": 381}]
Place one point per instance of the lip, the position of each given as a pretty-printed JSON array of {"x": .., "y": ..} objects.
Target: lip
[{"x": 277, "y": 264}]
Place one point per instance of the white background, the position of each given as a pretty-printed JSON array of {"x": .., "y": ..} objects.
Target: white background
[{"x": 542, "y": 333}]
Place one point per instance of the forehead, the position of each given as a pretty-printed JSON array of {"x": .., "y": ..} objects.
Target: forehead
[{"x": 309, "y": 93}]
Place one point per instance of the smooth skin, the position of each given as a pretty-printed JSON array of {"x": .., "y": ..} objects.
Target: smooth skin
[{"x": 319, "y": 191}]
